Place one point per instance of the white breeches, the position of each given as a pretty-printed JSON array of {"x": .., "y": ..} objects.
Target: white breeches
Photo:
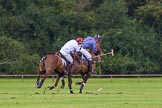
[
  {"x": 67, "y": 56},
  {"x": 86, "y": 54}
]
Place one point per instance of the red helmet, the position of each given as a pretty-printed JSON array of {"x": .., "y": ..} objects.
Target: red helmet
[{"x": 79, "y": 40}]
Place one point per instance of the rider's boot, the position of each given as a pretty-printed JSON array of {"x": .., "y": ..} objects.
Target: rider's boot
[{"x": 90, "y": 69}]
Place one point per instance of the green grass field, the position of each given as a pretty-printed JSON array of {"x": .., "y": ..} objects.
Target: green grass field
[{"x": 121, "y": 93}]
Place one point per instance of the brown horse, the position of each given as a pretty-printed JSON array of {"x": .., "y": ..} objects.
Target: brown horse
[
  {"x": 82, "y": 68},
  {"x": 50, "y": 63}
]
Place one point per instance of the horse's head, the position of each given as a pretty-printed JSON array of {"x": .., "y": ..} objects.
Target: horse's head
[
  {"x": 98, "y": 44},
  {"x": 99, "y": 47},
  {"x": 76, "y": 57}
]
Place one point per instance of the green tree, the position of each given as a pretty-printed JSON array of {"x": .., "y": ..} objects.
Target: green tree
[
  {"x": 151, "y": 14},
  {"x": 14, "y": 57},
  {"x": 132, "y": 5},
  {"x": 133, "y": 43}
]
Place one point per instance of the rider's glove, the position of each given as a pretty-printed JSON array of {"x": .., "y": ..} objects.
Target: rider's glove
[{"x": 97, "y": 53}]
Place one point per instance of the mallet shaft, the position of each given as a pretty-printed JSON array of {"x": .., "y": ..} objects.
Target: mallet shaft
[{"x": 112, "y": 53}]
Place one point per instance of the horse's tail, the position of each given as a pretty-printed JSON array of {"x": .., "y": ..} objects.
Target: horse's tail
[
  {"x": 49, "y": 61},
  {"x": 42, "y": 64},
  {"x": 42, "y": 60}
]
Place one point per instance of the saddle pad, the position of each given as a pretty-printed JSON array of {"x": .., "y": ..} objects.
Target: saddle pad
[{"x": 63, "y": 62}]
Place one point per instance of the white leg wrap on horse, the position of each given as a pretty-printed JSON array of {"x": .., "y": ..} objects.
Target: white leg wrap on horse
[
  {"x": 61, "y": 78},
  {"x": 83, "y": 84}
]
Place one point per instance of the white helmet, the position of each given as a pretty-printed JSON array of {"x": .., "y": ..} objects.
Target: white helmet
[{"x": 97, "y": 37}]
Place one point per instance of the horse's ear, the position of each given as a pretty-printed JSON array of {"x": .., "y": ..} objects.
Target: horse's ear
[{"x": 58, "y": 53}]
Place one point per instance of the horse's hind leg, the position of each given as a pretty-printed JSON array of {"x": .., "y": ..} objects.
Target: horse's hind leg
[
  {"x": 37, "y": 80},
  {"x": 55, "y": 85},
  {"x": 60, "y": 77}
]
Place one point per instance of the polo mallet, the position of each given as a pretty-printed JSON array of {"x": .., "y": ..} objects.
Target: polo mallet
[
  {"x": 58, "y": 90},
  {"x": 112, "y": 53},
  {"x": 100, "y": 88},
  {"x": 45, "y": 89}
]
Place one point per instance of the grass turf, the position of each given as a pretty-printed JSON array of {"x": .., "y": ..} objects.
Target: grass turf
[{"x": 120, "y": 93}]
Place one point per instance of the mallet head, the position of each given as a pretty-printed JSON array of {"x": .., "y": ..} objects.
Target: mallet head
[{"x": 112, "y": 52}]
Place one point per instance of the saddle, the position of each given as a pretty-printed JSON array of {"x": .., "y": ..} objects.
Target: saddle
[
  {"x": 65, "y": 62},
  {"x": 84, "y": 58}
]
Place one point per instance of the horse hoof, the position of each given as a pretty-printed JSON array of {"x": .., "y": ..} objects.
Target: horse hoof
[
  {"x": 36, "y": 85},
  {"x": 50, "y": 87},
  {"x": 80, "y": 91},
  {"x": 71, "y": 92}
]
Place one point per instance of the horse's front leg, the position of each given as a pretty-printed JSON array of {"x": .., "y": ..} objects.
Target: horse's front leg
[
  {"x": 84, "y": 82},
  {"x": 60, "y": 76},
  {"x": 70, "y": 82}
]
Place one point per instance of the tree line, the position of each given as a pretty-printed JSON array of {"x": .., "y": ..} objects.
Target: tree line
[{"x": 31, "y": 28}]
